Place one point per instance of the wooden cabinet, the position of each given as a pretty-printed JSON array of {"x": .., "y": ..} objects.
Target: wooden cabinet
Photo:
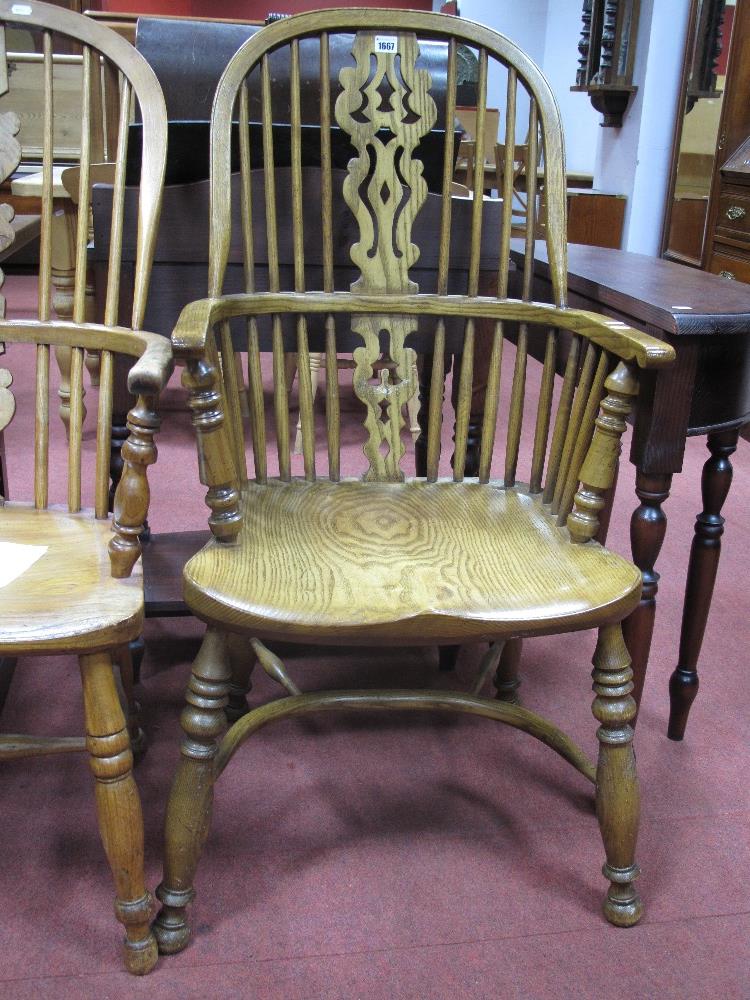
[{"x": 595, "y": 218}]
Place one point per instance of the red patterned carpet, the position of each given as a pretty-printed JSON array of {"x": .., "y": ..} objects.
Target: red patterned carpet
[{"x": 387, "y": 857}]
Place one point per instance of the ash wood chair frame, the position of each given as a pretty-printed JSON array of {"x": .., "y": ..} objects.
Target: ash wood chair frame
[
  {"x": 71, "y": 586},
  {"x": 384, "y": 559}
]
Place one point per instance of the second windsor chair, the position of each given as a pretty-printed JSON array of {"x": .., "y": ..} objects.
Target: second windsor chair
[{"x": 69, "y": 585}]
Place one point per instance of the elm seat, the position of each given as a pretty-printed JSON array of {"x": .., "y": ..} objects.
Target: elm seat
[
  {"x": 49, "y": 608},
  {"x": 357, "y": 561}
]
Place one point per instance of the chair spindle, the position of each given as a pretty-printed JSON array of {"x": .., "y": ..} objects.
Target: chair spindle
[
  {"x": 84, "y": 193},
  {"x": 507, "y": 188},
  {"x": 45, "y": 243},
  {"x": 75, "y": 430},
  {"x": 437, "y": 378},
  {"x": 333, "y": 406},
  {"x": 303, "y": 352},
  {"x": 113, "y": 94},
  {"x": 562, "y": 419},
  {"x": 254, "y": 376},
  {"x": 463, "y": 407},
  {"x": 543, "y": 413},
  {"x": 232, "y": 397},
  {"x": 281, "y": 410},
  {"x": 103, "y": 436},
  {"x": 112, "y": 303},
  {"x": 41, "y": 433},
  {"x": 574, "y": 423}
]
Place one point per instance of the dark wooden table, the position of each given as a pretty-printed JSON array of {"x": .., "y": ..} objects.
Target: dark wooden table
[{"x": 706, "y": 392}]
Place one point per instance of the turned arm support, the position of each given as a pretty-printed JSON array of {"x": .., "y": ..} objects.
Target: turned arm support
[
  {"x": 146, "y": 379},
  {"x": 216, "y": 465},
  {"x": 597, "y": 474},
  {"x": 192, "y": 342},
  {"x": 149, "y": 374},
  {"x": 133, "y": 494}
]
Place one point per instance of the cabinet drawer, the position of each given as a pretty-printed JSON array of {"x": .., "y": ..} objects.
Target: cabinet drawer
[
  {"x": 734, "y": 215},
  {"x": 729, "y": 265}
]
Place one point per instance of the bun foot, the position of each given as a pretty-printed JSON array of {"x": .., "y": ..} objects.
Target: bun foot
[
  {"x": 171, "y": 927},
  {"x": 623, "y": 906},
  {"x": 141, "y": 956}
]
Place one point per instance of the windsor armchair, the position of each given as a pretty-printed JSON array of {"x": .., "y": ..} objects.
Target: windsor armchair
[
  {"x": 301, "y": 552},
  {"x": 69, "y": 585}
]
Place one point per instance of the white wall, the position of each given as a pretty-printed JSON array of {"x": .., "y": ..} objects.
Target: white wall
[
  {"x": 548, "y": 31},
  {"x": 525, "y": 23},
  {"x": 634, "y": 160},
  {"x": 560, "y": 62}
]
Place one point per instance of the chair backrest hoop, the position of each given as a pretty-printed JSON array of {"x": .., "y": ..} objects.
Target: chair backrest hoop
[
  {"x": 424, "y": 25},
  {"x": 153, "y": 110}
]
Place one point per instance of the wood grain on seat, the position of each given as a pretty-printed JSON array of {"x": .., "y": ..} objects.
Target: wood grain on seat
[
  {"x": 412, "y": 562},
  {"x": 67, "y": 600}
]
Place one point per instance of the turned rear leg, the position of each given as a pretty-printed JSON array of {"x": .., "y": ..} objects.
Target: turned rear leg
[
  {"x": 617, "y": 793},
  {"x": 128, "y": 676},
  {"x": 118, "y": 808},
  {"x": 191, "y": 799},
  {"x": 242, "y": 660},
  {"x": 506, "y": 680}
]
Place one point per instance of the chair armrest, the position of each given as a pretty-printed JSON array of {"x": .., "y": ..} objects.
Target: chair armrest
[
  {"x": 618, "y": 338},
  {"x": 154, "y": 351},
  {"x": 153, "y": 368},
  {"x": 197, "y": 318},
  {"x": 195, "y": 322}
]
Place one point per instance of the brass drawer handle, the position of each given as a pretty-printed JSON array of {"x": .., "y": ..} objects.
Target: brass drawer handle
[
  {"x": 735, "y": 212},
  {"x": 727, "y": 274}
]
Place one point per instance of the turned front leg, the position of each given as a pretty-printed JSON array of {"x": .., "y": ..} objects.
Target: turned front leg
[
  {"x": 648, "y": 526},
  {"x": 617, "y": 794},
  {"x": 702, "y": 568},
  {"x": 118, "y": 808},
  {"x": 191, "y": 800}
]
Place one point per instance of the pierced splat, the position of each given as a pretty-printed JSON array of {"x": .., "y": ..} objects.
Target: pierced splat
[{"x": 386, "y": 108}]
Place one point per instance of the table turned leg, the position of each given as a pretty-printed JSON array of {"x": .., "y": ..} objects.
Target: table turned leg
[
  {"x": 648, "y": 526},
  {"x": 704, "y": 562}
]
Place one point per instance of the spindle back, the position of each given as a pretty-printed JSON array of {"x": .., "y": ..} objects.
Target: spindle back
[
  {"x": 114, "y": 79},
  {"x": 383, "y": 105}
]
